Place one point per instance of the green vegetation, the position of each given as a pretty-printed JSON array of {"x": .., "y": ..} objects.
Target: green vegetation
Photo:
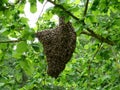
[{"x": 95, "y": 64}]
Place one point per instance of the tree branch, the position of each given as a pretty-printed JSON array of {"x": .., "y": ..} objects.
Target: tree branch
[
  {"x": 97, "y": 36},
  {"x": 44, "y": 3},
  {"x": 66, "y": 11},
  {"x": 91, "y": 33},
  {"x": 86, "y": 8},
  {"x": 11, "y": 41},
  {"x": 86, "y": 33}
]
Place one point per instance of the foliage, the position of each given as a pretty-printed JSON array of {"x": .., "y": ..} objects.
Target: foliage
[{"x": 95, "y": 64}]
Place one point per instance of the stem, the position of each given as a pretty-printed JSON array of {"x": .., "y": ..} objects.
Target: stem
[
  {"x": 44, "y": 3},
  {"x": 11, "y": 41},
  {"x": 86, "y": 8}
]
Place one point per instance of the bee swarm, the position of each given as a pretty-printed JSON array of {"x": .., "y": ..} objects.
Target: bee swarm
[{"x": 59, "y": 45}]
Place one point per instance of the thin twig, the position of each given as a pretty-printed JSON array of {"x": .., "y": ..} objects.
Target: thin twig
[
  {"x": 89, "y": 64},
  {"x": 11, "y": 41},
  {"x": 86, "y": 8},
  {"x": 99, "y": 48},
  {"x": 44, "y": 3}
]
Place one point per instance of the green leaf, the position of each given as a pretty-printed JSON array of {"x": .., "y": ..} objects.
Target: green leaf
[
  {"x": 76, "y": 1},
  {"x": 24, "y": 20},
  {"x": 3, "y": 46},
  {"x": 62, "y": 1},
  {"x": 7, "y": 13},
  {"x": 35, "y": 47},
  {"x": 33, "y": 8},
  {"x": 21, "y": 47},
  {"x": 2, "y": 84},
  {"x": 95, "y": 4},
  {"x": 41, "y": 1},
  {"x": 27, "y": 66},
  {"x": 86, "y": 46},
  {"x": 18, "y": 76},
  {"x": 117, "y": 22},
  {"x": 32, "y": 1},
  {"x": 4, "y": 1},
  {"x": 1, "y": 13},
  {"x": 79, "y": 29},
  {"x": 92, "y": 18}
]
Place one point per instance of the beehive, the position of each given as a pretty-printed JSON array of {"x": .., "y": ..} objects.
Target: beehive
[{"x": 59, "y": 45}]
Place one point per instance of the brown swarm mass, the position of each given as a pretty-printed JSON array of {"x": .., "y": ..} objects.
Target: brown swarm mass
[{"x": 58, "y": 44}]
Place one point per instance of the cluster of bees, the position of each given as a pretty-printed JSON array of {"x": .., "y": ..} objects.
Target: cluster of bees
[{"x": 59, "y": 45}]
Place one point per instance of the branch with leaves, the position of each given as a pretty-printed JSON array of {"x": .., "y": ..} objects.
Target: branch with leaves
[
  {"x": 65, "y": 10},
  {"x": 90, "y": 32}
]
